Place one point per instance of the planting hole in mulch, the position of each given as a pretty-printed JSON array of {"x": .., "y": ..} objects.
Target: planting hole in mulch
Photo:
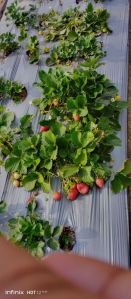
[{"x": 67, "y": 239}]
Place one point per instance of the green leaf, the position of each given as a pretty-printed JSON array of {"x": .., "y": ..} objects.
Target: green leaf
[
  {"x": 12, "y": 164},
  {"x": 102, "y": 171},
  {"x": 58, "y": 129},
  {"x": 72, "y": 36},
  {"x": 83, "y": 111},
  {"x": 127, "y": 167},
  {"x": 26, "y": 121},
  {"x": 48, "y": 138},
  {"x": 76, "y": 137},
  {"x": 71, "y": 104},
  {"x": 90, "y": 8},
  {"x": 68, "y": 170},
  {"x": 9, "y": 118},
  {"x": 112, "y": 140},
  {"x": 37, "y": 101},
  {"x": 122, "y": 105},
  {"x": 87, "y": 137},
  {"x": 80, "y": 157},
  {"x": 116, "y": 184},
  {"x": 44, "y": 184},
  {"x": 48, "y": 231},
  {"x": 85, "y": 174},
  {"x": 43, "y": 76},
  {"x": 81, "y": 101},
  {"x": 57, "y": 231},
  {"x": 29, "y": 181},
  {"x": 40, "y": 250},
  {"x": 25, "y": 144},
  {"x": 32, "y": 206},
  {"x": 53, "y": 244},
  {"x": 121, "y": 179},
  {"x": 46, "y": 187},
  {"x": 99, "y": 106}
]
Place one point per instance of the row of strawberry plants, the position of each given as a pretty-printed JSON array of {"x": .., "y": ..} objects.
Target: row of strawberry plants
[
  {"x": 76, "y": 141},
  {"x": 76, "y": 32},
  {"x": 55, "y": 26},
  {"x": 44, "y": 236},
  {"x": 77, "y": 29}
]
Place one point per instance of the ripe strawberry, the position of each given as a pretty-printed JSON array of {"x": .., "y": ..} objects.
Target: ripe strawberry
[
  {"x": 57, "y": 196},
  {"x": 76, "y": 117},
  {"x": 83, "y": 188},
  {"x": 100, "y": 182},
  {"x": 43, "y": 129},
  {"x": 29, "y": 200},
  {"x": 74, "y": 187},
  {"x": 73, "y": 193}
]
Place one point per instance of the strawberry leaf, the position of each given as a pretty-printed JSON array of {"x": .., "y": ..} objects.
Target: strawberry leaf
[
  {"x": 53, "y": 244},
  {"x": 85, "y": 175},
  {"x": 29, "y": 181},
  {"x": 68, "y": 170}
]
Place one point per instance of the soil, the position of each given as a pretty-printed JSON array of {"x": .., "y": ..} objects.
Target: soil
[
  {"x": 67, "y": 239},
  {"x": 8, "y": 52},
  {"x": 23, "y": 94}
]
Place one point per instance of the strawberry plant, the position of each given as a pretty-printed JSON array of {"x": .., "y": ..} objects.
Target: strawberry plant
[
  {"x": 79, "y": 152},
  {"x": 20, "y": 16},
  {"x": 33, "y": 233},
  {"x": 23, "y": 34},
  {"x": 80, "y": 47},
  {"x": 32, "y": 50},
  {"x": 33, "y": 158},
  {"x": 58, "y": 26},
  {"x": 15, "y": 90},
  {"x": 8, "y": 43},
  {"x": 89, "y": 141},
  {"x": 6, "y": 133},
  {"x": 122, "y": 179},
  {"x": 12, "y": 89},
  {"x": 9, "y": 134}
]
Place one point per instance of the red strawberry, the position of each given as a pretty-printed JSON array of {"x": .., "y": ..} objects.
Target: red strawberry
[
  {"x": 57, "y": 196},
  {"x": 83, "y": 188},
  {"x": 73, "y": 193},
  {"x": 76, "y": 117},
  {"x": 29, "y": 200},
  {"x": 43, "y": 129},
  {"x": 74, "y": 187},
  {"x": 100, "y": 182}
]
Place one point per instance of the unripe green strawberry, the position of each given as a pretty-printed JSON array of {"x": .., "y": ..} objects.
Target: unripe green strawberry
[
  {"x": 16, "y": 175},
  {"x": 16, "y": 183}
]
